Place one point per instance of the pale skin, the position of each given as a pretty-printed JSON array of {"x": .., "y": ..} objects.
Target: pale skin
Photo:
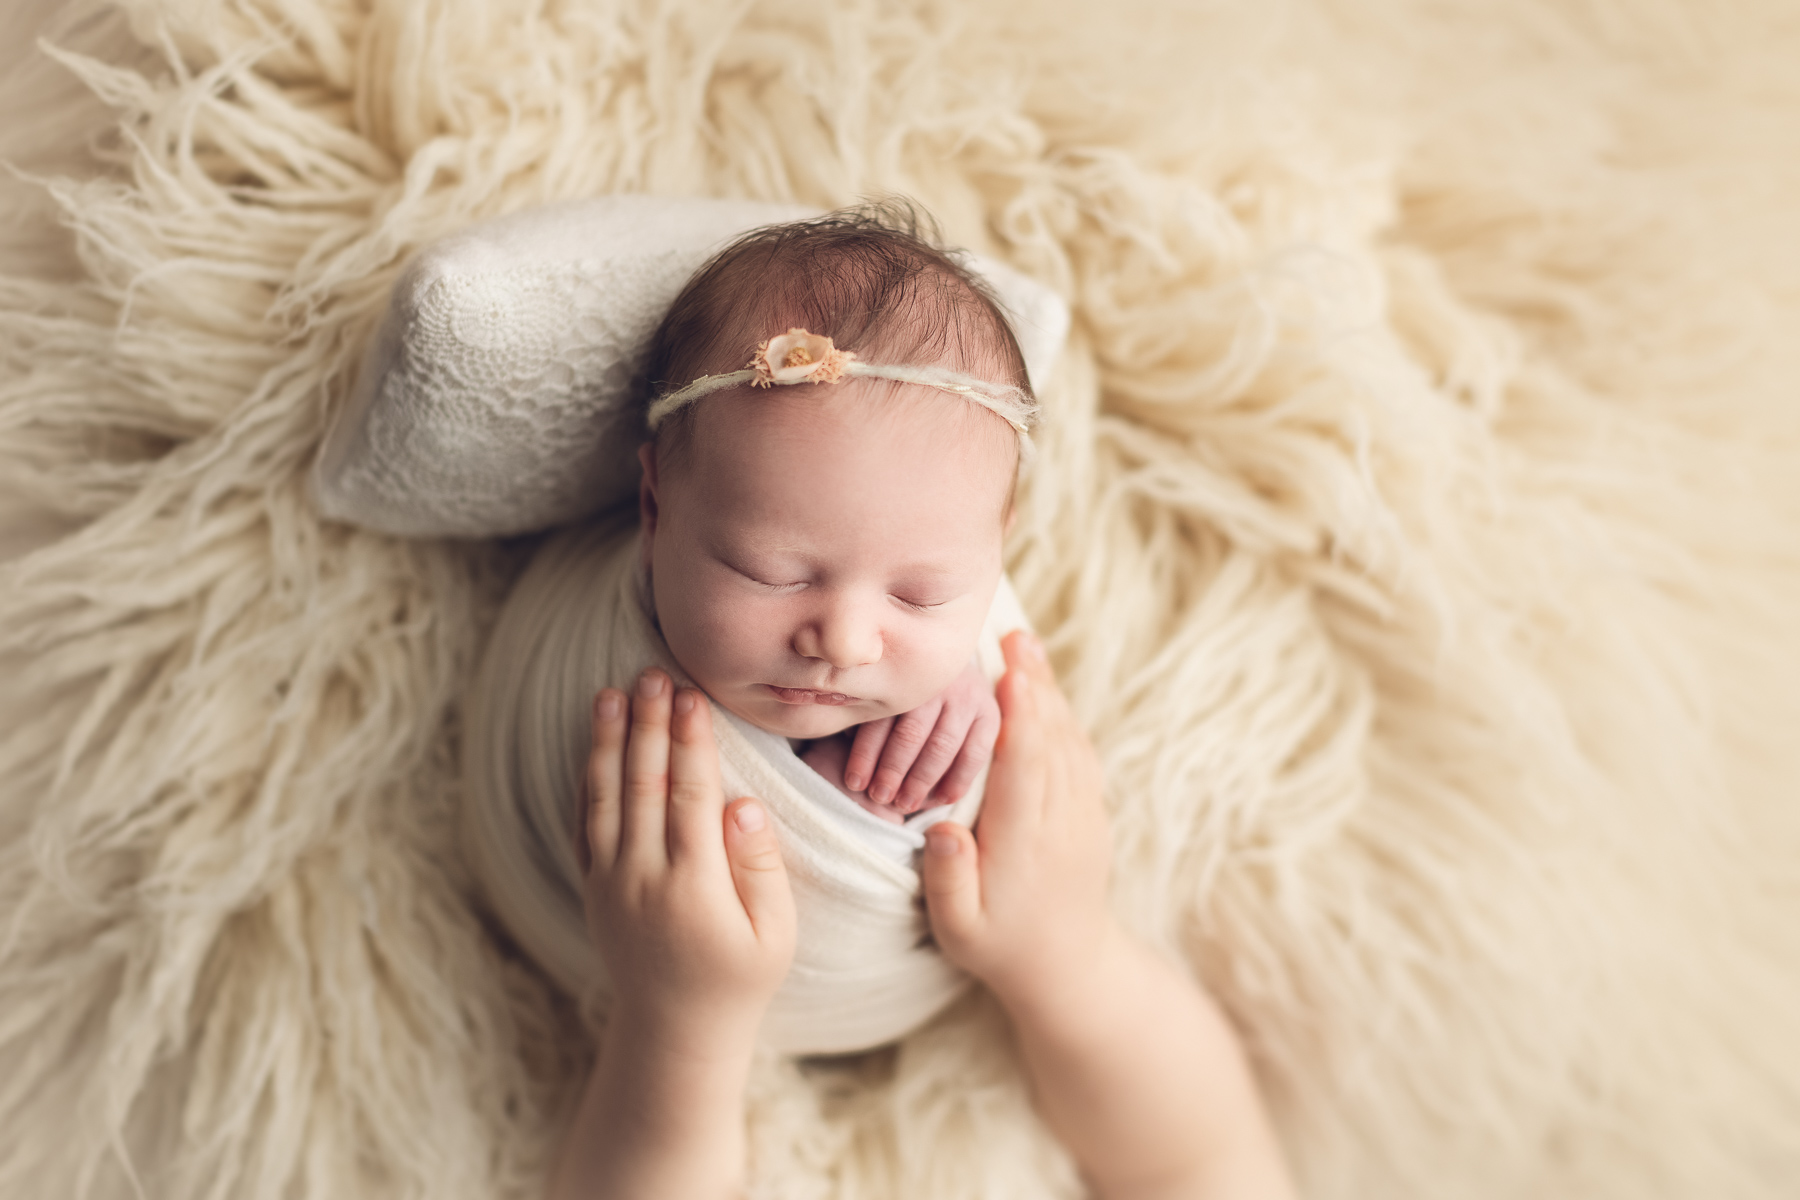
[
  {"x": 1131, "y": 1065},
  {"x": 822, "y": 562}
]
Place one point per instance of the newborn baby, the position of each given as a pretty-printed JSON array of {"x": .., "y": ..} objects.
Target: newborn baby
[{"x": 822, "y": 530}]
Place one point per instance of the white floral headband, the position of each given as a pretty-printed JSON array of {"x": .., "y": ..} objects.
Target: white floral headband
[{"x": 801, "y": 357}]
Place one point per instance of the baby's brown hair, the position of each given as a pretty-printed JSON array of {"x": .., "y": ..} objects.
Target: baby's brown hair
[{"x": 873, "y": 278}]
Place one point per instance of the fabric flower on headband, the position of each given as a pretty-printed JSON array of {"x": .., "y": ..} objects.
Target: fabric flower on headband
[{"x": 799, "y": 357}]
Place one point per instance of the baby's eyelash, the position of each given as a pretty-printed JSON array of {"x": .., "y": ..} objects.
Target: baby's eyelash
[{"x": 784, "y": 588}]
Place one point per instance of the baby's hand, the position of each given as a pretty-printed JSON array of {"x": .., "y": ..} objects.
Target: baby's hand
[
  {"x": 1021, "y": 903},
  {"x": 930, "y": 755},
  {"x": 687, "y": 900}
]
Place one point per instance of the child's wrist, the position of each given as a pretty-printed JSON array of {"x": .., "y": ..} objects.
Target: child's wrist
[
  {"x": 1065, "y": 994},
  {"x": 726, "y": 1037}
]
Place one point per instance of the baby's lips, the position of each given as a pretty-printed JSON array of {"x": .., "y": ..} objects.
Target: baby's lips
[{"x": 810, "y": 696}]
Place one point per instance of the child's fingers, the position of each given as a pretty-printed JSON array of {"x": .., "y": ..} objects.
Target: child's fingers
[
  {"x": 952, "y": 884},
  {"x": 605, "y": 778},
  {"x": 758, "y": 872},
  {"x": 642, "y": 835},
  {"x": 1025, "y": 652},
  {"x": 696, "y": 797},
  {"x": 907, "y": 739},
  {"x": 865, "y": 752},
  {"x": 977, "y": 749},
  {"x": 1017, "y": 783},
  {"x": 1074, "y": 768}
]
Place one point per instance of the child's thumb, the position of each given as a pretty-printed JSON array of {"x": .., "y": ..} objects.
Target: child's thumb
[
  {"x": 756, "y": 866},
  {"x": 952, "y": 884}
]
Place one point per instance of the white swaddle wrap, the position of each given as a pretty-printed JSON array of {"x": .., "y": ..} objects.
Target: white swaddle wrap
[{"x": 864, "y": 972}]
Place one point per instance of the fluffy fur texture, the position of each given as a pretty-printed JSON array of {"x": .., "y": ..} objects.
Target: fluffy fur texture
[{"x": 1415, "y": 528}]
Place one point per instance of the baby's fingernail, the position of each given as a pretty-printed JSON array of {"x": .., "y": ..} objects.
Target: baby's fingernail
[
  {"x": 1037, "y": 647},
  {"x": 684, "y": 701},
  {"x": 854, "y": 783},
  {"x": 881, "y": 793},
  {"x": 940, "y": 841},
  {"x": 607, "y": 705},
  {"x": 749, "y": 818},
  {"x": 650, "y": 684}
]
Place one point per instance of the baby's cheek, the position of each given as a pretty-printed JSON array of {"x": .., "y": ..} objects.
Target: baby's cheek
[
  {"x": 712, "y": 639},
  {"x": 937, "y": 661}
]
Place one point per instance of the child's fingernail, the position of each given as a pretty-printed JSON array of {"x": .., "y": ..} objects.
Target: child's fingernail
[
  {"x": 749, "y": 818},
  {"x": 607, "y": 704},
  {"x": 650, "y": 684},
  {"x": 1036, "y": 647},
  {"x": 684, "y": 701},
  {"x": 940, "y": 841},
  {"x": 853, "y": 783}
]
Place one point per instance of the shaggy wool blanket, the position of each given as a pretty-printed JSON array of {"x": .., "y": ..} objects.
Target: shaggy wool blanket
[{"x": 1417, "y": 530}]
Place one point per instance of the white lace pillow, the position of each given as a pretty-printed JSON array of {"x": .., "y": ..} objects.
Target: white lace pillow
[{"x": 497, "y": 398}]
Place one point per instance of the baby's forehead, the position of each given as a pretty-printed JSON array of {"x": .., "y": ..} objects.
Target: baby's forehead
[
  {"x": 907, "y": 428},
  {"x": 876, "y": 412}
]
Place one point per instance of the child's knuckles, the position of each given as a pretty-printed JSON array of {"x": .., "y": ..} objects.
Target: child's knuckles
[
  {"x": 762, "y": 856},
  {"x": 691, "y": 793},
  {"x": 647, "y": 784}
]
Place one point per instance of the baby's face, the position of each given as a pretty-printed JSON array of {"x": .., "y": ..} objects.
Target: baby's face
[{"x": 821, "y": 557}]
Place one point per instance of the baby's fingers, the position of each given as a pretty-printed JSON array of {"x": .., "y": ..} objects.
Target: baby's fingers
[
  {"x": 942, "y": 746},
  {"x": 904, "y": 745},
  {"x": 605, "y": 779},
  {"x": 865, "y": 752},
  {"x": 977, "y": 749}
]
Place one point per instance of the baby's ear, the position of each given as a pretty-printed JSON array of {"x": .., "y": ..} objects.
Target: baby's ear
[{"x": 647, "y": 510}]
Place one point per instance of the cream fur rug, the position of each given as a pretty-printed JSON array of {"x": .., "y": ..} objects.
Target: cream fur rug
[{"x": 1418, "y": 530}]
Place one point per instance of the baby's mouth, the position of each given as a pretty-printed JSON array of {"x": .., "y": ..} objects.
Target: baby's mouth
[{"x": 809, "y": 696}]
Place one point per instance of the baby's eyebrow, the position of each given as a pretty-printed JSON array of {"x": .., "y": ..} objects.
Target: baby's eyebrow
[
  {"x": 738, "y": 545},
  {"x": 937, "y": 570}
]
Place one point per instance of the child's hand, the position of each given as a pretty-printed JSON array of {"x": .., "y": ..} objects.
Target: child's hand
[
  {"x": 1021, "y": 903},
  {"x": 687, "y": 899},
  {"x": 929, "y": 755},
  {"x": 688, "y": 904},
  {"x": 1132, "y": 1066}
]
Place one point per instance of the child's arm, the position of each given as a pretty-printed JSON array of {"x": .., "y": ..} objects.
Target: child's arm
[
  {"x": 1132, "y": 1066},
  {"x": 688, "y": 905}
]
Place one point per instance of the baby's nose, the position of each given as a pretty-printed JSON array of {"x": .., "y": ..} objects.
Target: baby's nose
[{"x": 842, "y": 634}]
